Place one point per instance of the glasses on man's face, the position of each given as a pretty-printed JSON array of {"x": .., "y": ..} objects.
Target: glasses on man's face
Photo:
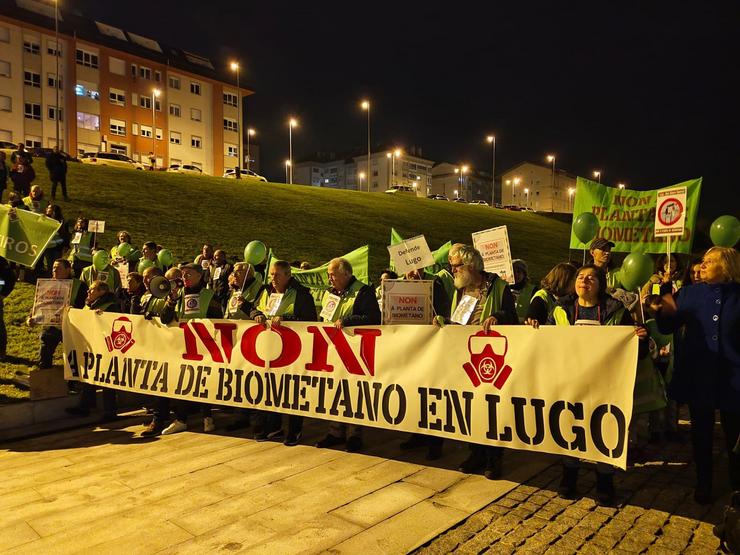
[{"x": 453, "y": 266}]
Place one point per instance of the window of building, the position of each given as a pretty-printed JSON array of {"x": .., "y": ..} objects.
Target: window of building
[
  {"x": 231, "y": 150},
  {"x": 6, "y": 103},
  {"x": 145, "y": 73},
  {"x": 158, "y": 133},
  {"x": 87, "y": 59},
  {"x": 51, "y": 113},
  {"x": 157, "y": 105},
  {"x": 158, "y": 76},
  {"x": 32, "y": 110},
  {"x": 195, "y": 88},
  {"x": 52, "y": 49},
  {"x": 51, "y": 80},
  {"x": 195, "y": 141},
  {"x": 230, "y": 99},
  {"x": 117, "y": 96},
  {"x": 88, "y": 121},
  {"x": 87, "y": 89},
  {"x": 133, "y": 70},
  {"x": 134, "y": 128},
  {"x": 145, "y": 131},
  {"x": 117, "y": 127},
  {"x": 230, "y": 124},
  {"x": 31, "y": 46},
  {"x": 118, "y": 149},
  {"x": 175, "y": 138},
  {"x": 4, "y": 34},
  {"x": 117, "y": 66},
  {"x": 32, "y": 141},
  {"x": 145, "y": 101},
  {"x": 175, "y": 110},
  {"x": 32, "y": 79},
  {"x": 174, "y": 82},
  {"x": 195, "y": 114},
  {"x": 4, "y": 69}
]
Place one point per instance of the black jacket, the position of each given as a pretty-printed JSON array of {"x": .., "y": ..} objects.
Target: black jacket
[
  {"x": 304, "y": 309},
  {"x": 365, "y": 311},
  {"x": 56, "y": 164},
  {"x": 8, "y": 277},
  {"x": 109, "y": 297}
]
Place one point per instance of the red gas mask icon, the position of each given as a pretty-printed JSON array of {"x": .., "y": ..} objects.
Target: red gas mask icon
[
  {"x": 487, "y": 359},
  {"x": 121, "y": 335}
]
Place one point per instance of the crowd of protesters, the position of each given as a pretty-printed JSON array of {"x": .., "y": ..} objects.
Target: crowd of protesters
[{"x": 687, "y": 321}]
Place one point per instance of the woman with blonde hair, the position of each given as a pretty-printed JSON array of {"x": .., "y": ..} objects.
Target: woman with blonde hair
[{"x": 707, "y": 365}]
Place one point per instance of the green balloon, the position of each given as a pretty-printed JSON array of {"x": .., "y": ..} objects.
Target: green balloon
[
  {"x": 636, "y": 270},
  {"x": 124, "y": 249},
  {"x": 255, "y": 253},
  {"x": 144, "y": 263},
  {"x": 165, "y": 257},
  {"x": 100, "y": 260},
  {"x": 725, "y": 231},
  {"x": 585, "y": 226}
]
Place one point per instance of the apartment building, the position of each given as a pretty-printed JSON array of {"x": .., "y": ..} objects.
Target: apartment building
[
  {"x": 388, "y": 167},
  {"x": 118, "y": 91},
  {"x": 536, "y": 186},
  {"x": 460, "y": 180}
]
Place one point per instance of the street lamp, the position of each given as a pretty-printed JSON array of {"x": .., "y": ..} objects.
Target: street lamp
[
  {"x": 621, "y": 185},
  {"x": 361, "y": 175},
  {"x": 250, "y": 133},
  {"x": 551, "y": 158},
  {"x": 155, "y": 96},
  {"x": 392, "y": 156},
  {"x": 292, "y": 122},
  {"x": 366, "y": 106},
  {"x": 517, "y": 181},
  {"x": 492, "y": 140},
  {"x": 571, "y": 190},
  {"x": 288, "y": 167},
  {"x": 240, "y": 157},
  {"x": 597, "y": 175}
]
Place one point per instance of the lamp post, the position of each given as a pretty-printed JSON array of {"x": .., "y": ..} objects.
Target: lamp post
[
  {"x": 56, "y": 81},
  {"x": 571, "y": 190},
  {"x": 288, "y": 165},
  {"x": 456, "y": 193},
  {"x": 240, "y": 156},
  {"x": 396, "y": 154},
  {"x": 621, "y": 185},
  {"x": 517, "y": 181},
  {"x": 291, "y": 124},
  {"x": 155, "y": 96},
  {"x": 551, "y": 159},
  {"x": 366, "y": 106},
  {"x": 250, "y": 133},
  {"x": 526, "y": 192},
  {"x": 492, "y": 140},
  {"x": 597, "y": 175},
  {"x": 361, "y": 176}
]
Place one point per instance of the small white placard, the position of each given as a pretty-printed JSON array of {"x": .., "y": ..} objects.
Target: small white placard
[
  {"x": 493, "y": 245},
  {"x": 96, "y": 226},
  {"x": 332, "y": 303},
  {"x": 670, "y": 212},
  {"x": 411, "y": 254},
  {"x": 464, "y": 310},
  {"x": 407, "y": 301},
  {"x": 52, "y": 295},
  {"x": 273, "y": 303}
]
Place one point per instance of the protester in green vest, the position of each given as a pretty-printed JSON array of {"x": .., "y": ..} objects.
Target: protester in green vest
[
  {"x": 601, "y": 255},
  {"x": 134, "y": 254},
  {"x": 150, "y": 305},
  {"x": 149, "y": 253},
  {"x": 204, "y": 260},
  {"x": 36, "y": 201},
  {"x": 108, "y": 274},
  {"x": 558, "y": 282},
  {"x": 81, "y": 246},
  {"x": 347, "y": 302},
  {"x": 522, "y": 289},
  {"x": 51, "y": 336},
  {"x": 664, "y": 274},
  {"x": 190, "y": 301},
  {"x": 592, "y": 305},
  {"x": 100, "y": 299},
  {"x": 479, "y": 299},
  {"x": 282, "y": 299}
]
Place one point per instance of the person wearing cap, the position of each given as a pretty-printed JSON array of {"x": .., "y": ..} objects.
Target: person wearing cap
[
  {"x": 354, "y": 304},
  {"x": 601, "y": 255},
  {"x": 483, "y": 299},
  {"x": 186, "y": 302},
  {"x": 523, "y": 289},
  {"x": 282, "y": 299}
]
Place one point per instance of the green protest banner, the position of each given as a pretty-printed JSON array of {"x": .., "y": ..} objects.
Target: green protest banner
[
  {"x": 440, "y": 255},
  {"x": 317, "y": 279},
  {"x": 627, "y": 217},
  {"x": 24, "y": 235}
]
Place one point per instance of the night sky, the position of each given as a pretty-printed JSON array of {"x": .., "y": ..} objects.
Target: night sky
[{"x": 639, "y": 90}]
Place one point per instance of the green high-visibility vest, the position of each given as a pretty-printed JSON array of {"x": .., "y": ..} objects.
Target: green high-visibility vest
[
  {"x": 561, "y": 317},
  {"x": 346, "y": 301},
  {"x": 83, "y": 249},
  {"x": 494, "y": 301},
  {"x": 523, "y": 300},
  {"x": 151, "y": 304},
  {"x": 205, "y": 299},
  {"x": 103, "y": 307},
  {"x": 251, "y": 291},
  {"x": 287, "y": 303},
  {"x": 448, "y": 281},
  {"x": 37, "y": 206},
  {"x": 549, "y": 300},
  {"x": 90, "y": 274}
]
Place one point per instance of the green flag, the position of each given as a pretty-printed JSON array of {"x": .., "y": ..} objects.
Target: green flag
[
  {"x": 317, "y": 279},
  {"x": 24, "y": 235},
  {"x": 627, "y": 218}
]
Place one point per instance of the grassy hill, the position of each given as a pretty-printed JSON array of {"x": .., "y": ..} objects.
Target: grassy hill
[{"x": 300, "y": 223}]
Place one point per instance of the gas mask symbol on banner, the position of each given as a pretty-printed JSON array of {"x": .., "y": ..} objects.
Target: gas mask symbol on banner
[
  {"x": 120, "y": 335},
  {"x": 487, "y": 359}
]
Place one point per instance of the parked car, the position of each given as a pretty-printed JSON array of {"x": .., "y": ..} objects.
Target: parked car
[
  {"x": 498, "y": 205},
  {"x": 245, "y": 174},
  {"x": 8, "y": 148},
  {"x": 513, "y": 207},
  {"x": 479, "y": 202},
  {"x": 112, "y": 159},
  {"x": 185, "y": 168},
  {"x": 459, "y": 199},
  {"x": 401, "y": 190},
  {"x": 42, "y": 152},
  {"x": 437, "y": 197}
]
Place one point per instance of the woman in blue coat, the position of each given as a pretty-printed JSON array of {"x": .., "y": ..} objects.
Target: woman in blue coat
[{"x": 707, "y": 364}]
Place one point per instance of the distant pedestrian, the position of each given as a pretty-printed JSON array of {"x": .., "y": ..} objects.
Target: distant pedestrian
[
  {"x": 59, "y": 242},
  {"x": 152, "y": 161},
  {"x": 21, "y": 172},
  {"x": 4, "y": 174},
  {"x": 56, "y": 163}
]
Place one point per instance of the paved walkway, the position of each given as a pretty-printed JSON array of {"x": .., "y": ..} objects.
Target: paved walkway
[{"x": 104, "y": 490}]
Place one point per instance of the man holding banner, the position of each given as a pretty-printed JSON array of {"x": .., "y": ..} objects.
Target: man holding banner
[
  {"x": 348, "y": 302},
  {"x": 483, "y": 299}
]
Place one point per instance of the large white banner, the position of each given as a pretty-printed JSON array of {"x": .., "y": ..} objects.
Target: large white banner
[{"x": 559, "y": 389}]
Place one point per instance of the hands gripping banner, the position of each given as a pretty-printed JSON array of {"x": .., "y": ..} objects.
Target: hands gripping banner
[{"x": 540, "y": 390}]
